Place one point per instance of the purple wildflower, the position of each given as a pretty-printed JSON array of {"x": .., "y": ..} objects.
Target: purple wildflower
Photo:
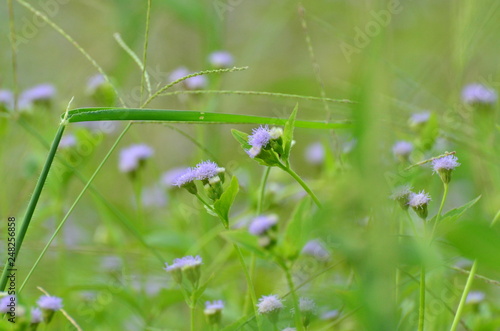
[
  {"x": 315, "y": 153},
  {"x": 6, "y": 100},
  {"x": 6, "y": 303},
  {"x": 187, "y": 176},
  {"x": 131, "y": 157},
  {"x": 402, "y": 195},
  {"x": 316, "y": 249},
  {"x": 262, "y": 224},
  {"x": 330, "y": 315},
  {"x": 221, "y": 59},
  {"x": 184, "y": 263},
  {"x": 192, "y": 83},
  {"x": 170, "y": 177},
  {"x": 444, "y": 166},
  {"x": 36, "y": 315},
  {"x": 306, "y": 305},
  {"x": 419, "y": 199},
  {"x": 95, "y": 82},
  {"x": 42, "y": 92},
  {"x": 420, "y": 118},
  {"x": 178, "y": 74},
  {"x": 67, "y": 141},
  {"x": 402, "y": 149},
  {"x": 475, "y": 297},
  {"x": 478, "y": 94},
  {"x": 207, "y": 169},
  {"x": 260, "y": 136},
  {"x": 419, "y": 202},
  {"x": 48, "y": 302},
  {"x": 213, "y": 307},
  {"x": 448, "y": 162},
  {"x": 269, "y": 303}
]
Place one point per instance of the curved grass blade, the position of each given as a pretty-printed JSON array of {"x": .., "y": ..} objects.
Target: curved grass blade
[{"x": 166, "y": 115}]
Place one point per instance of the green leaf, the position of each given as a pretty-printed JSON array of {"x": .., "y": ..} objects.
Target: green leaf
[
  {"x": 167, "y": 115},
  {"x": 448, "y": 219},
  {"x": 477, "y": 240},
  {"x": 242, "y": 138},
  {"x": 295, "y": 233},
  {"x": 246, "y": 240},
  {"x": 226, "y": 200},
  {"x": 288, "y": 135}
]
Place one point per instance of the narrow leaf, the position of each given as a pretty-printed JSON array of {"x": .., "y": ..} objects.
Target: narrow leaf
[
  {"x": 246, "y": 240},
  {"x": 166, "y": 115}
]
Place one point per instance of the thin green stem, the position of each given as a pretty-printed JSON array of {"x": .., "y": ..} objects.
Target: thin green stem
[
  {"x": 438, "y": 215},
  {"x": 33, "y": 202},
  {"x": 145, "y": 51},
  {"x": 461, "y": 305},
  {"x": 302, "y": 183},
  {"x": 192, "y": 310},
  {"x": 262, "y": 190},
  {"x": 297, "y": 315},
  {"x": 63, "y": 221},
  {"x": 259, "y": 93},
  {"x": 250, "y": 286},
  {"x": 421, "y": 311},
  {"x": 204, "y": 202},
  {"x": 398, "y": 271}
]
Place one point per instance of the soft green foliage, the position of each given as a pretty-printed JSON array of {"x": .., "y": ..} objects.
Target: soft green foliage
[{"x": 342, "y": 79}]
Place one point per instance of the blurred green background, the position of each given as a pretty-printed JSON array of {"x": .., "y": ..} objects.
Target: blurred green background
[{"x": 416, "y": 58}]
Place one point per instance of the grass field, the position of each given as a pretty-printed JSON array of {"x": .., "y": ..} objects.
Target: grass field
[{"x": 250, "y": 165}]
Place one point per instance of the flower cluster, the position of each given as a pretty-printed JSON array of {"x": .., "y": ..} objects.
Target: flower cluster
[
  {"x": 101, "y": 91},
  {"x": 133, "y": 157},
  {"x": 264, "y": 144},
  {"x": 221, "y": 59},
  {"x": 419, "y": 202},
  {"x": 209, "y": 173}
]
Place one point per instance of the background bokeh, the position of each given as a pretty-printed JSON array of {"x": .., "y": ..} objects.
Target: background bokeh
[{"x": 393, "y": 58}]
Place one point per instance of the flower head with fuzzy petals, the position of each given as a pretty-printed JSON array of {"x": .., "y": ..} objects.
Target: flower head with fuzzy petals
[
  {"x": 269, "y": 303},
  {"x": 131, "y": 157},
  {"x": 419, "y": 199},
  {"x": 402, "y": 149},
  {"x": 207, "y": 169},
  {"x": 48, "y": 302},
  {"x": 260, "y": 137},
  {"x": 478, "y": 94},
  {"x": 448, "y": 162},
  {"x": 444, "y": 166},
  {"x": 221, "y": 59},
  {"x": 262, "y": 224}
]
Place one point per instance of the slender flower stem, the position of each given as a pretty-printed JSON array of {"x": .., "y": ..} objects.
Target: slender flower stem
[
  {"x": 192, "y": 308},
  {"x": 421, "y": 312},
  {"x": 398, "y": 271},
  {"x": 262, "y": 190},
  {"x": 438, "y": 216},
  {"x": 461, "y": 305},
  {"x": 297, "y": 316},
  {"x": 302, "y": 183},
  {"x": 33, "y": 202},
  {"x": 206, "y": 204},
  {"x": 251, "y": 288}
]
